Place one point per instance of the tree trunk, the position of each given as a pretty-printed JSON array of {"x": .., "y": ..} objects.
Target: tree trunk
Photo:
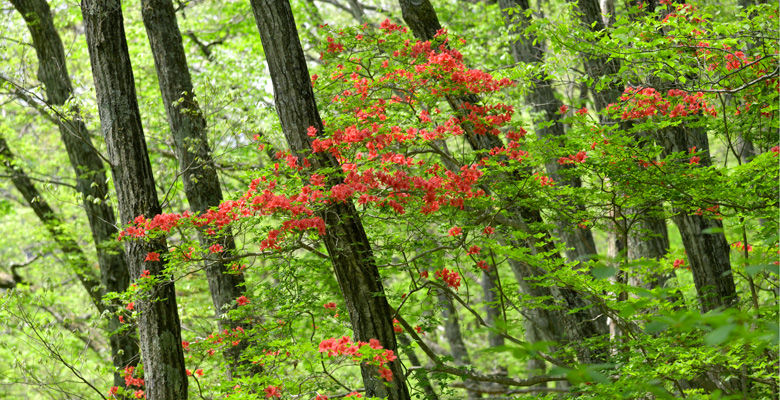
[
  {"x": 158, "y": 321},
  {"x": 548, "y": 126},
  {"x": 89, "y": 169},
  {"x": 54, "y": 225},
  {"x": 579, "y": 325},
  {"x": 703, "y": 238},
  {"x": 454, "y": 338},
  {"x": 493, "y": 312},
  {"x": 199, "y": 174},
  {"x": 346, "y": 241},
  {"x": 421, "y": 376}
]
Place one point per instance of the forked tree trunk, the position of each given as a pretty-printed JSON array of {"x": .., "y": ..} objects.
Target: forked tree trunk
[
  {"x": 703, "y": 238},
  {"x": 346, "y": 241},
  {"x": 158, "y": 319},
  {"x": 579, "y": 325},
  {"x": 89, "y": 169},
  {"x": 648, "y": 238},
  {"x": 199, "y": 174},
  {"x": 548, "y": 126}
]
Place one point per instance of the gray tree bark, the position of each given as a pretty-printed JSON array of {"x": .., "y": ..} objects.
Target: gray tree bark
[
  {"x": 199, "y": 174},
  {"x": 580, "y": 325},
  {"x": 452, "y": 333},
  {"x": 703, "y": 238},
  {"x": 547, "y": 125},
  {"x": 89, "y": 168},
  {"x": 346, "y": 241},
  {"x": 158, "y": 321}
]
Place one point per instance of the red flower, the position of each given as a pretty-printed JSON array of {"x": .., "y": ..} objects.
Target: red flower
[
  {"x": 489, "y": 230},
  {"x": 321, "y": 397},
  {"x": 152, "y": 257},
  {"x": 146, "y": 273},
  {"x": 483, "y": 265},
  {"x": 678, "y": 263},
  {"x": 582, "y": 111},
  {"x": 139, "y": 394},
  {"x": 386, "y": 374},
  {"x": 242, "y": 301},
  {"x": 695, "y": 160},
  {"x": 121, "y": 319},
  {"x": 330, "y": 305},
  {"x": 114, "y": 390},
  {"x": 199, "y": 372},
  {"x": 272, "y": 391},
  {"x": 354, "y": 394},
  {"x": 564, "y": 108},
  {"x": 455, "y": 231},
  {"x": 397, "y": 328},
  {"x": 130, "y": 306},
  {"x": 216, "y": 248},
  {"x": 451, "y": 278},
  {"x": 185, "y": 345},
  {"x": 189, "y": 372},
  {"x": 474, "y": 250}
]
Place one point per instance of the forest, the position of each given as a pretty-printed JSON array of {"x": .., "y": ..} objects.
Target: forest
[{"x": 380, "y": 199}]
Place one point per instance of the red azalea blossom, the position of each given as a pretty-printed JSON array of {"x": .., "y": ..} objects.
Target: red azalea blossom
[
  {"x": 354, "y": 394},
  {"x": 424, "y": 274},
  {"x": 451, "y": 278},
  {"x": 152, "y": 257},
  {"x": 386, "y": 374},
  {"x": 474, "y": 250},
  {"x": 272, "y": 391},
  {"x": 146, "y": 273},
  {"x": 564, "y": 108},
  {"x": 455, "y": 231},
  {"x": 242, "y": 301},
  {"x": 216, "y": 248},
  {"x": 199, "y": 372},
  {"x": 483, "y": 265},
  {"x": 489, "y": 230},
  {"x": 330, "y": 305},
  {"x": 130, "y": 306},
  {"x": 321, "y": 397},
  {"x": 678, "y": 263}
]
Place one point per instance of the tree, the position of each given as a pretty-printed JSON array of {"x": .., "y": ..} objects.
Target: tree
[
  {"x": 158, "y": 320},
  {"x": 419, "y": 170},
  {"x": 199, "y": 173},
  {"x": 346, "y": 240},
  {"x": 91, "y": 177}
]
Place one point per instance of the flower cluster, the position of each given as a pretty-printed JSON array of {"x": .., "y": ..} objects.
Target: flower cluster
[
  {"x": 451, "y": 278},
  {"x": 640, "y": 103},
  {"x": 345, "y": 347}
]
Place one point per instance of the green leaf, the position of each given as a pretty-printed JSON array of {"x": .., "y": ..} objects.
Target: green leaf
[
  {"x": 719, "y": 335},
  {"x": 604, "y": 272}
]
